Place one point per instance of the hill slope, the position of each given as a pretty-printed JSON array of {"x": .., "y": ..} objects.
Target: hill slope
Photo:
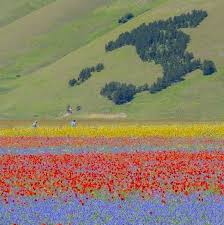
[
  {"x": 53, "y": 31},
  {"x": 12, "y": 10},
  {"x": 45, "y": 92}
]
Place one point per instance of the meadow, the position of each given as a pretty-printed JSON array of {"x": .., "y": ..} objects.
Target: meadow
[
  {"x": 112, "y": 174},
  {"x": 157, "y": 160}
]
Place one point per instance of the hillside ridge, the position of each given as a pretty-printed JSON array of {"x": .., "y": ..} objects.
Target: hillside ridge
[{"x": 185, "y": 101}]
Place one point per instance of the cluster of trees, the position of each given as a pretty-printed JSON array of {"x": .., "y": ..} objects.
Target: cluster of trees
[
  {"x": 121, "y": 93},
  {"x": 85, "y": 74},
  {"x": 126, "y": 18},
  {"x": 163, "y": 43}
]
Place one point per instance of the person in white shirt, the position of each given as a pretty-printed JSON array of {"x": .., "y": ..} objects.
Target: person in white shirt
[
  {"x": 73, "y": 123},
  {"x": 69, "y": 109},
  {"x": 35, "y": 124}
]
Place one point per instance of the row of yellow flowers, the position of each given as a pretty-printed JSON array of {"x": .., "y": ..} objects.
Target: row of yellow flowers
[{"x": 194, "y": 130}]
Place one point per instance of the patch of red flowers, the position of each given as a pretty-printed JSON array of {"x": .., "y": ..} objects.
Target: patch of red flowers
[{"x": 118, "y": 174}]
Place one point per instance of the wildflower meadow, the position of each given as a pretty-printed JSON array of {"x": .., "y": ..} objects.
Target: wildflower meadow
[{"x": 140, "y": 175}]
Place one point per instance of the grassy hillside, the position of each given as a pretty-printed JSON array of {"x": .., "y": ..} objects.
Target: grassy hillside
[
  {"x": 12, "y": 10},
  {"x": 48, "y": 34},
  {"x": 45, "y": 92}
]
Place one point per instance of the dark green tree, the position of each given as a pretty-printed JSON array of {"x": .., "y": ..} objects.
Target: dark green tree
[
  {"x": 166, "y": 44},
  {"x": 208, "y": 67},
  {"x": 85, "y": 74},
  {"x": 126, "y": 18},
  {"x": 119, "y": 93},
  {"x": 99, "y": 67},
  {"x": 72, "y": 82}
]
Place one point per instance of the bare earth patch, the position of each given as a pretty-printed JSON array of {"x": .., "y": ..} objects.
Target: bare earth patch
[{"x": 107, "y": 116}]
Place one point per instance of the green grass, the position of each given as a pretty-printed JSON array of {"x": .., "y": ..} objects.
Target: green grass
[
  {"x": 198, "y": 98},
  {"x": 12, "y": 10},
  {"x": 21, "y": 41},
  {"x": 45, "y": 91},
  {"x": 56, "y": 34}
]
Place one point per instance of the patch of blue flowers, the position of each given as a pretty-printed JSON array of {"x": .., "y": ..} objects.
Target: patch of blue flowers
[
  {"x": 114, "y": 149},
  {"x": 180, "y": 210}
]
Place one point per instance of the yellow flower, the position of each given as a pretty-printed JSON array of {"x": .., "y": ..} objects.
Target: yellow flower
[{"x": 189, "y": 130}]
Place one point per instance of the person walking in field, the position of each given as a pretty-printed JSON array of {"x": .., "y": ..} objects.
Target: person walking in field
[
  {"x": 73, "y": 123},
  {"x": 35, "y": 124},
  {"x": 69, "y": 109}
]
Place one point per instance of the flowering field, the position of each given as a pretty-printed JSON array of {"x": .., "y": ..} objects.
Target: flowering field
[{"x": 112, "y": 175}]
